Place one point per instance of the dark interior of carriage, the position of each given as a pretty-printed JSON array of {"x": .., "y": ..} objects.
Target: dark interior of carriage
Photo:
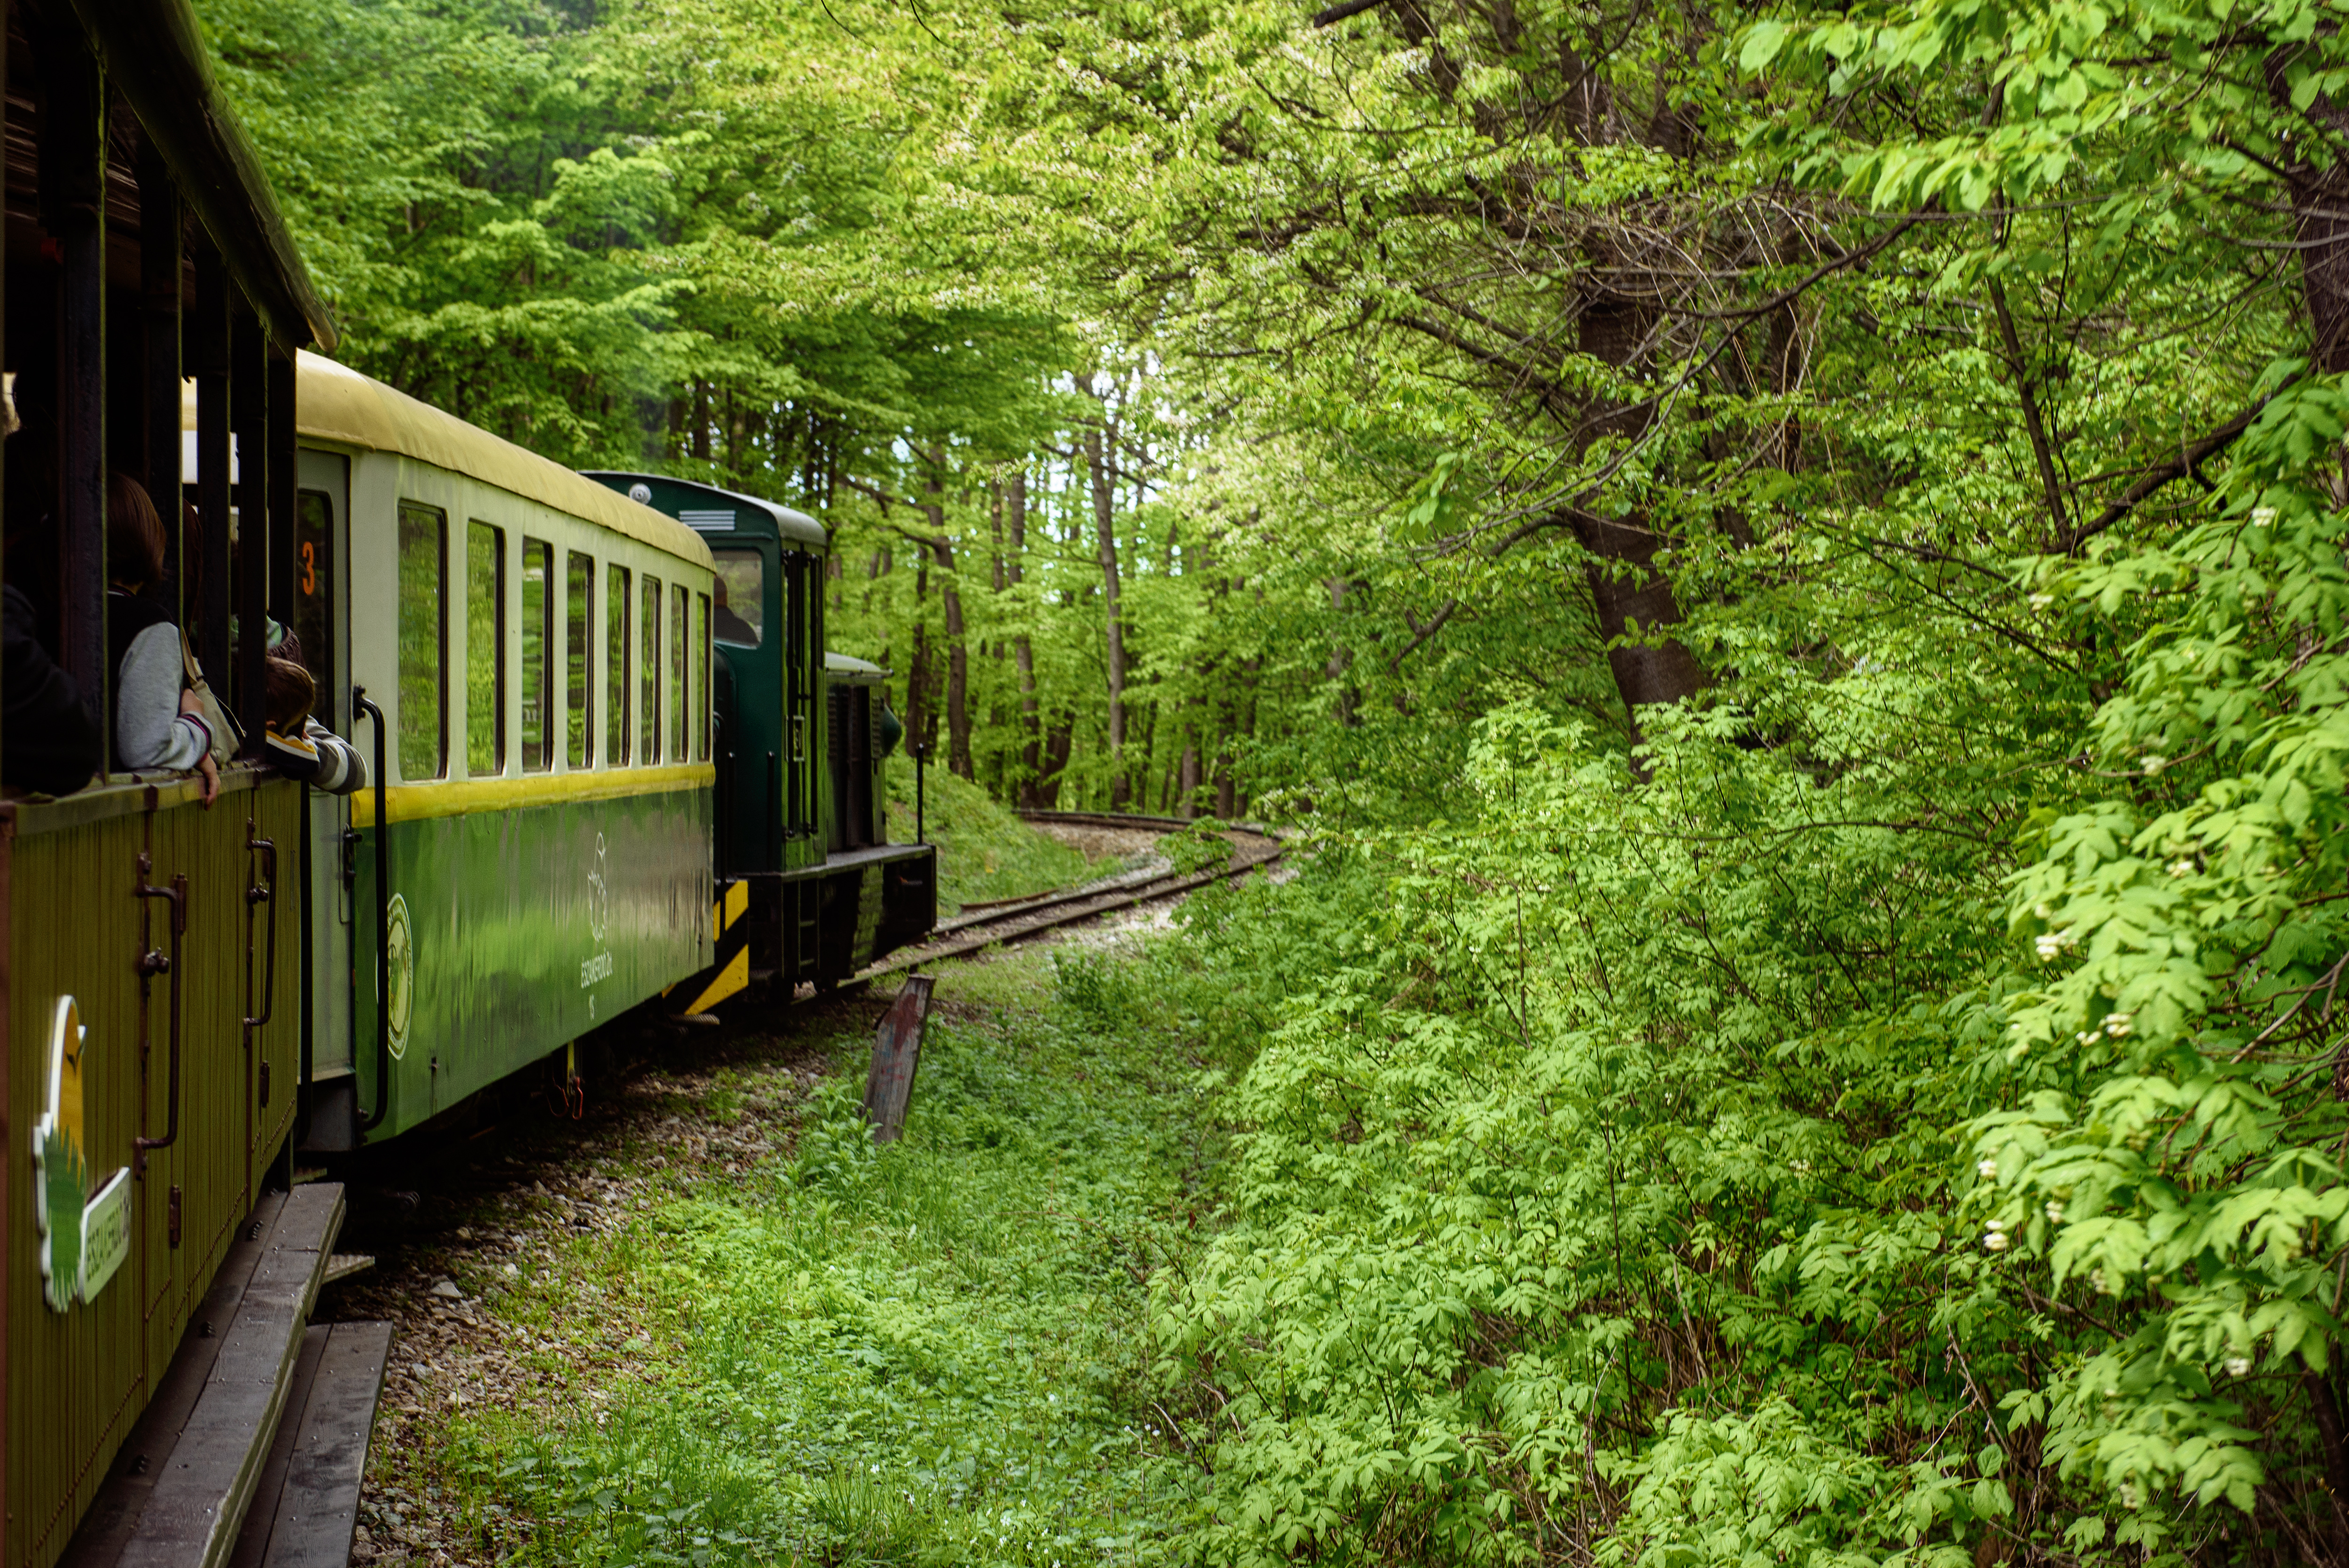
[{"x": 133, "y": 259}]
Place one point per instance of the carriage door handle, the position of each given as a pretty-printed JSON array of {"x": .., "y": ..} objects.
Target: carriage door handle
[
  {"x": 151, "y": 964},
  {"x": 262, "y": 892}
]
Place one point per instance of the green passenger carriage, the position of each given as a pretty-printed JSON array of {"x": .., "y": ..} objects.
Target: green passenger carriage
[{"x": 535, "y": 651}]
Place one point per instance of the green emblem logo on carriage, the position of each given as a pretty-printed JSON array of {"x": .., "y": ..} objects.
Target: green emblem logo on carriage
[
  {"x": 400, "y": 941},
  {"x": 85, "y": 1236}
]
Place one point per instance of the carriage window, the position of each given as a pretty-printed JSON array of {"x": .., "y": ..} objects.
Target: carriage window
[
  {"x": 615, "y": 666},
  {"x": 485, "y": 650},
  {"x": 741, "y": 589},
  {"x": 423, "y": 629},
  {"x": 576, "y": 623},
  {"x": 648, "y": 674},
  {"x": 314, "y": 597},
  {"x": 701, "y": 677},
  {"x": 677, "y": 707},
  {"x": 537, "y": 653}
]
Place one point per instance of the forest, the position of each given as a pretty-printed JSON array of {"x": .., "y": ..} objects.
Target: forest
[{"x": 1783, "y": 561}]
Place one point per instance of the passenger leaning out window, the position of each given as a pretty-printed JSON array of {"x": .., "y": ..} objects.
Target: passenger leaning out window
[{"x": 158, "y": 722}]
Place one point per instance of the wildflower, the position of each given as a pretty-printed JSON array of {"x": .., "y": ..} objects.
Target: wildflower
[
  {"x": 2117, "y": 1025},
  {"x": 2181, "y": 867},
  {"x": 2054, "y": 1212},
  {"x": 2238, "y": 1365},
  {"x": 2263, "y": 516},
  {"x": 2128, "y": 1494},
  {"x": 2050, "y": 944},
  {"x": 1994, "y": 1235},
  {"x": 2097, "y": 1281},
  {"x": 1799, "y": 1167},
  {"x": 2155, "y": 762},
  {"x": 2040, "y": 601},
  {"x": 1987, "y": 1169}
]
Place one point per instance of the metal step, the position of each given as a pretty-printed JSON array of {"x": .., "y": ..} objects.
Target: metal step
[{"x": 178, "y": 1492}]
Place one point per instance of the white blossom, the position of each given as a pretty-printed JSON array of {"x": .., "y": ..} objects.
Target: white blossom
[
  {"x": 2238, "y": 1365},
  {"x": 2054, "y": 1212},
  {"x": 2117, "y": 1025},
  {"x": 1987, "y": 1169}
]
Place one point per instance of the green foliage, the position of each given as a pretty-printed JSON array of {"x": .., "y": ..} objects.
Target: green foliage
[{"x": 933, "y": 1353}]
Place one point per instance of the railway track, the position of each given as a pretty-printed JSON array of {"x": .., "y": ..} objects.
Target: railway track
[{"x": 1016, "y": 921}]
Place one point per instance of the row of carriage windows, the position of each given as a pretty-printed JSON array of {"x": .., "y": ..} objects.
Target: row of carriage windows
[{"x": 641, "y": 687}]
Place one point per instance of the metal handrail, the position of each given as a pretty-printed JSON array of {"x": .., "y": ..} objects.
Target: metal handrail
[
  {"x": 151, "y": 964},
  {"x": 374, "y": 1118}
]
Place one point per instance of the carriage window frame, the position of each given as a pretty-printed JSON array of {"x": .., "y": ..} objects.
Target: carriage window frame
[
  {"x": 619, "y": 671},
  {"x": 578, "y": 661},
  {"x": 486, "y": 674},
  {"x": 648, "y": 670},
  {"x": 702, "y": 655},
  {"x": 423, "y": 628},
  {"x": 681, "y": 603},
  {"x": 314, "y": 600},
  {"x": 535, "y": 697}
]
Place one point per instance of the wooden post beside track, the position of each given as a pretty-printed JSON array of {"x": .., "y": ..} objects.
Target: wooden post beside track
[{"x": 896, "y": 1054}]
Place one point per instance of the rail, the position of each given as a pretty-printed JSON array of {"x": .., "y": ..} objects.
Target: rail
[{"x": 1252, "y": 848}]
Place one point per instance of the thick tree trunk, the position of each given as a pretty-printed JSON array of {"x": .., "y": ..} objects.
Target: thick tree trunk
[
  {"x": 1105, "y": 532},
  {"x": 1058, "y": 745},
  {"x": 1625, "y": 585}
]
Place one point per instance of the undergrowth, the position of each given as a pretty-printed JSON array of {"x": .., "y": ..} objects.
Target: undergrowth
[{"x": 934, "y": 1353}]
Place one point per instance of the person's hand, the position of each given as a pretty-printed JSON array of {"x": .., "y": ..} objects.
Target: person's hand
[{"x": 208, "y": 770}]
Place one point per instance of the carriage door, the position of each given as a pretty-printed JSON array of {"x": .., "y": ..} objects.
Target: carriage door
[
  {"x": 322, "y": 623},
  {"x": 803, "y": 677}
]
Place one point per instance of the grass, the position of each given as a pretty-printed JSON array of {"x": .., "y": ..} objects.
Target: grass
[
  {"x": 985, "y": 850},
  {"x": 935, "y": 1353}
]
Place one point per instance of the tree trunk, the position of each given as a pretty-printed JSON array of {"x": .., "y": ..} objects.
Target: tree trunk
[
  {"x": 1058, "y": 745},
  {"x": 1341, "y": 657},
  {"x": 1187, "y": 790},
  {"x": 1106, "y": 531},
  {"x": 1015, "y": 501},
  {"x": 1625, "y": 585},
  {"x": 957, "y": 715}
]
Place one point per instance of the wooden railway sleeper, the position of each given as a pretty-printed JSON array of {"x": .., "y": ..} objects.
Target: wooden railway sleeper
[{"x": 152, "y": 963}]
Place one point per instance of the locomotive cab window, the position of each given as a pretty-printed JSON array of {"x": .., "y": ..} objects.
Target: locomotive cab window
[
  {"x": 537, "y": 652},
  {"x": 648, "y": 674},
  {"x": 485, "y": 650},
  {"x": 423, "y": 629},
  {"x": 580, "y": 581},
  {"x": 741, "y": 589}
]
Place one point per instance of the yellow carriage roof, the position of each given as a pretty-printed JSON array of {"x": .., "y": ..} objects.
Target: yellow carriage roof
[{"x": 335, "y": 403}]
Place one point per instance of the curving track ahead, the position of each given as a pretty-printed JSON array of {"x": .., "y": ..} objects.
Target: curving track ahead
[{"x": 1017, "y": 919}]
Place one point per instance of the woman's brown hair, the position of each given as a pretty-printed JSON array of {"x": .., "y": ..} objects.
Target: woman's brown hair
[{"x": 134, "y": 535}]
